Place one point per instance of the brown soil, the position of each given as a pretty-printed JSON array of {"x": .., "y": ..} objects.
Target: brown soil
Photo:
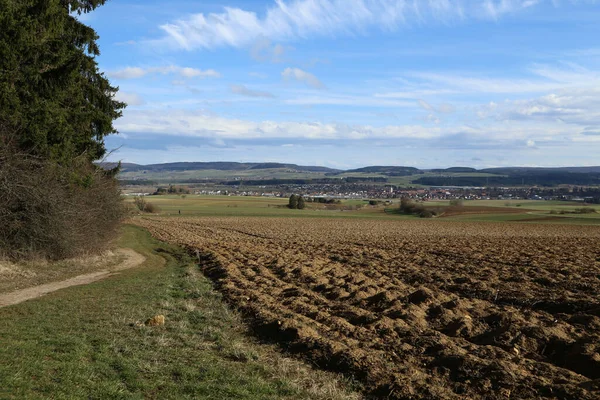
[
  {"x": 131, "y": 259},
  {"x": 416, "y": 309}
]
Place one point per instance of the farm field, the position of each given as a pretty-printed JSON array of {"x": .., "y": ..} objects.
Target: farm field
[
  {"x": 193, "y": 205},
  {"x": 427, "y": 309},
  {"x": 480, "y": 210}
]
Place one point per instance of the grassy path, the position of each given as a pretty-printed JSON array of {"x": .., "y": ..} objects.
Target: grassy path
[
  {"x": 130, "y": 259},
  {"x": 83, "y": 341}
]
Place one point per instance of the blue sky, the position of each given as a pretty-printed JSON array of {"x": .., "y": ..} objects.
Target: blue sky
[{"x": 350, "y": 83}]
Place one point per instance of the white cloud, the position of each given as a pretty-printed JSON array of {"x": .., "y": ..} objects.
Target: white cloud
[
  {"x": 297, "y": 19},
  {"x": 571, "y": 106},
  {"x": 503, "y": 134},
  {"x": 128, "y": 73},
  {"x": 425, "y": 105},
  {"x": 244, "y": 91},
  {"x": 264, "y": 50},
  {"x": 444, "y": 108},
  {"x": 496, "y": 9},
  {"x": 132, "y": 99},
  {"x": 202, "y": 124},
  {"x": 545, "y": 79},
  {"x": 348, "y": 100},
  {"x": 186, "y": 72},
  {"x": 302, "y": 76}
]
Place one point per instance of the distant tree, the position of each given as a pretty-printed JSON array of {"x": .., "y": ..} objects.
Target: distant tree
[
  {"x": 457, "y": 202},
  {"x": 407, "y": 206},
  {"x": 140, "y": 203},
  {"x": 293, "y": 202},
  {"x": 301, "y": 205}
]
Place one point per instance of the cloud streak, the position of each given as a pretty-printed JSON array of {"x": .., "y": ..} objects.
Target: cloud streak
[
  {"x": 296, "y": 74},
  {"x": 185, "y": 72},
  {"x": 298, "y": 19},
  {"x": 131, "y": 99},
  {"x": 198, "y": 124},
  {"x": 244, "y": 91}
]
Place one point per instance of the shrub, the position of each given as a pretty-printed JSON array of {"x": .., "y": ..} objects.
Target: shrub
[
  {"x": 293, "y": 202},
  {"x": 407, "y": 206},
  {"x": 140, "y": 203},
  {"x": 585, "y": 210},
  {"x": 301, "y": 204},
  {"x": 151, "y": 208},
  {"x": 145, "y": 206},
  {"x": 50, "y": 211},
  {"x": 426, "y": 214}
]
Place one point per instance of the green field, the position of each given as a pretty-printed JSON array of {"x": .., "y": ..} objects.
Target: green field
[
  {"x": 526, "y": 211},
  {"x": 198, "y": 205}
]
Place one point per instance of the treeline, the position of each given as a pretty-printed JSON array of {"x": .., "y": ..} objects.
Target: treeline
[
  {"x": 387, "y": 170},
  {"x": 540, "y": 179},
  {"x": 297, "y": 202},
  {"x": 172, "y": 189},
  {"x": 137, "y": 182}
]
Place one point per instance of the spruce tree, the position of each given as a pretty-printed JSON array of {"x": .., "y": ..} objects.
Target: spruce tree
[{"x": 51, "y": 91}]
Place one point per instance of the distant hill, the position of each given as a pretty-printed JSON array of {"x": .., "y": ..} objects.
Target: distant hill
[
  {"x": 287, "y": 173},
  {"x": 220, "y": 166},
  {"x": 293, "y": 166},
  {"x": 387, "y": 170},
  {"x": 539, "y": 171},
  {"x": 454, "y": 170}
]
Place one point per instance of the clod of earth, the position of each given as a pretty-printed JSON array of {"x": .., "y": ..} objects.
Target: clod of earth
[{"x": 157, "y": 320}]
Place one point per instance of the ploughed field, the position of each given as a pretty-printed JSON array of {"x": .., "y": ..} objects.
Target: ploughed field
[{"x": 416, "y": 309}]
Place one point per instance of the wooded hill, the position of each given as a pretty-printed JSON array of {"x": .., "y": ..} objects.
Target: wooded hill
[{"x": 280, "y": 173}]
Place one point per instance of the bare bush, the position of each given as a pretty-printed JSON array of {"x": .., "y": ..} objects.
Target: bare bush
[
  {"x": 145, "y": 206},
  {"x": 140, "y": 203},
  {"x": 54, "y": 212},
  {"x": 151, "y": 208}
]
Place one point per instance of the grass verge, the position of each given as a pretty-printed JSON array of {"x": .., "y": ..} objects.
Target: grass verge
[{"x": 83, "y": 342}]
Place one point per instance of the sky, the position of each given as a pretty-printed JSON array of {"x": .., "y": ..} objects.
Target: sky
[{"x": 351, "y": 83}]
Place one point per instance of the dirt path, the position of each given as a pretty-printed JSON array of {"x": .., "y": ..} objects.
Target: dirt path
[{"x": 132, "y": 259}]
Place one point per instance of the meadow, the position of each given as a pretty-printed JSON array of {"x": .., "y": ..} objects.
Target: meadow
[{"x": 525, "y": 211}]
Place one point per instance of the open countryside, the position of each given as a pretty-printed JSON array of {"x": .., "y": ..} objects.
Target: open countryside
[{"x": 300, "y": 199}]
